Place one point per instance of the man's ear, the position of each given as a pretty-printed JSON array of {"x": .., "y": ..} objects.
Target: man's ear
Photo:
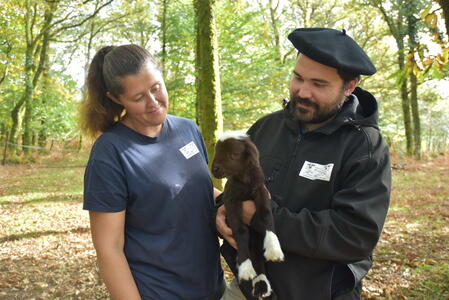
[
  {"x": 113, "y": 98},
  {"x": 350, "y": 87}
]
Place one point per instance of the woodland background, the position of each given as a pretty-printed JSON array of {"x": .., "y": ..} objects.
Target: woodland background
[{"x": 225, "y": 63}]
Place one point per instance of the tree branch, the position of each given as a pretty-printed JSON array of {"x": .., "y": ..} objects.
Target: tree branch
[{"x": 97, "y": 10}]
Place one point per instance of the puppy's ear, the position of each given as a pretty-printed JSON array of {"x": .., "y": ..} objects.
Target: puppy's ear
[
  {"x": 252, "y": 154},
  {"x": 252, "y": 168}
]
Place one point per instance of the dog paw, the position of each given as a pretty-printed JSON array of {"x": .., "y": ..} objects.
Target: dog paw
[
  {"x": 246, "y": 270},
  {"x": 261, "y": 286},
  {"x": 273, "y": 251}
]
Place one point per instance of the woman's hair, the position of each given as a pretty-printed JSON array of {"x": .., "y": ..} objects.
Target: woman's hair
[{"x": 106, "y": 71}]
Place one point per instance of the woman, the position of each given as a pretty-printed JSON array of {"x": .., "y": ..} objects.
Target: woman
[{"x": 147, "y": 186}]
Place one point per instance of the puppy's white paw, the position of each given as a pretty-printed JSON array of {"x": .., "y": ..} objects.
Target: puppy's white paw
[
  {"x": 246, "y": 270},
  {"x": 261, "y": 286},
  {"x": 273, "y": 251}
]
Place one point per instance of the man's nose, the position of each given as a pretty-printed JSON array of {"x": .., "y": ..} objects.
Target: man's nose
[{"x": 304, "y": 91}]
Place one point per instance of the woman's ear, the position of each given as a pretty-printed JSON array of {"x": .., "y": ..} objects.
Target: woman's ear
[
  {"x": 113, "y": 98},
  {"x": 350, "y": 87}
]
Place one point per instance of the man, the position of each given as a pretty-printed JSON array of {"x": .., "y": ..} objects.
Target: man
[{"x": 328, "y": 171}]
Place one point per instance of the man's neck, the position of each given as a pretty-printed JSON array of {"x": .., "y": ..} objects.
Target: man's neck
[{"x": 313, "y": 126}]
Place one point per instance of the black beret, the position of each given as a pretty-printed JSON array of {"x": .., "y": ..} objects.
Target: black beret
[{"x": 332, "y": 48}]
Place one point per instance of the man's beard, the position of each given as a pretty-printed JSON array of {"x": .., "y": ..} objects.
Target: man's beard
[{"x": 315, "y": 114}]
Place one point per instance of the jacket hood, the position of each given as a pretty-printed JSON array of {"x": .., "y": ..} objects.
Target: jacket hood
[
  {"x": 367, "y": 112},
  {"x": 360, "y": 110}
]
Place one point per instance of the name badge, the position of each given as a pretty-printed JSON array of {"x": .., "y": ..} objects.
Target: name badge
[
  {"x": 189, "y": 150},
  {"x": 314, "y": 171}
]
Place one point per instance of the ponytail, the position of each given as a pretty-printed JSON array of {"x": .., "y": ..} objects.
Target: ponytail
[{"x": 98, "y": 112}]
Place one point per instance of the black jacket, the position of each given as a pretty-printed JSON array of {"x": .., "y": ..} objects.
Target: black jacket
[{"x": 330, "y": 189}]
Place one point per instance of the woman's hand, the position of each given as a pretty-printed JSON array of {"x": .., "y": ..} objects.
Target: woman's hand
[{"x": 223, "y": 228}]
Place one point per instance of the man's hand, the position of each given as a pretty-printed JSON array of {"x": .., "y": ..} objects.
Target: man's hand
[
  {"x": 223, "y": 228},
  {"x": 248, "y": 210}
]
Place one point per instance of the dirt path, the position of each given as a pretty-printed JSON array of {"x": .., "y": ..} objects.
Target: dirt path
[{"x": 46, "y": 251}]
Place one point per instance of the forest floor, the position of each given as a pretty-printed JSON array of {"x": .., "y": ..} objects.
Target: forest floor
[{"x": 46, "y": 250}]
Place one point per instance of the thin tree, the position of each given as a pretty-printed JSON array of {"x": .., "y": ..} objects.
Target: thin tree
[
  {"x": 38, "y": 37},
  {"x": 5, "y": 70},
  {"x": 412, "y": 23},
  {"x": 445, "y": 7},
  {"x": 396, "y": 21},
  {"x": 164, "y": 28}
]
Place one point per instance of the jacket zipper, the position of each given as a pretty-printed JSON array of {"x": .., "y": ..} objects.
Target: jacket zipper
[{"x": 295, "y": 151}]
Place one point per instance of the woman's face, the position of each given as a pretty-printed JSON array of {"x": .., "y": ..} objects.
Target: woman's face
[{"x": 145, "y": 99}]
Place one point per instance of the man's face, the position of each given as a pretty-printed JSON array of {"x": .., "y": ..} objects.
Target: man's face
[{"x": 317, "y": 92}]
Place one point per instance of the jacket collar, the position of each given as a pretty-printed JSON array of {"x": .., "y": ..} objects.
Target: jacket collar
[{"x": 360, "y": 109}]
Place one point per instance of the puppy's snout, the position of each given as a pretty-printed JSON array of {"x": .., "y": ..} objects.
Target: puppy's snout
[{"x": 217, "y": 171}]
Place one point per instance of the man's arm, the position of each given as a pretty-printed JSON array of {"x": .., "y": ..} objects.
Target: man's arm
[
  {"x": 108, "y": 238},
  {"x": 349, "y": 230}
]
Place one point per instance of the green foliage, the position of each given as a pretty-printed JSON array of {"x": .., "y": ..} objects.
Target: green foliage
[
  {"x": 55, "y": 107},
  {"x": 254, "y": 82},
  {"x": 180, "y": 60},
  {"x": 255, "y": 56},
  {"x": 138, "y": 27}
]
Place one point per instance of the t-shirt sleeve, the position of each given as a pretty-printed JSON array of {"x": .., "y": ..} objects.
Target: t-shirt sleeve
[
  {"x": 105, "y": 188},
  {"x": 200, "y": 140}
]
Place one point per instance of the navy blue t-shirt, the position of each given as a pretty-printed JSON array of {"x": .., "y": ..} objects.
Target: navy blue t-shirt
[{"x": 164, "y": 185}]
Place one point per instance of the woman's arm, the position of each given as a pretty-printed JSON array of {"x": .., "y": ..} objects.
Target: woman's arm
[{"x": 108, "y": 236}]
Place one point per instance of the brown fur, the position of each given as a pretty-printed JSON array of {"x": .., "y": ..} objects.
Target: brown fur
[{"x": 237, "y": 159}]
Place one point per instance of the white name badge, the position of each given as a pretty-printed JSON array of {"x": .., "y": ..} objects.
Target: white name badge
[
  {"x": 314, "y": 171},
  {"x": 189, "y": 150}
]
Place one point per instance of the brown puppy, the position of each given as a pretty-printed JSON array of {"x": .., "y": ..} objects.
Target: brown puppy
[{"x": 237, "y": 159}]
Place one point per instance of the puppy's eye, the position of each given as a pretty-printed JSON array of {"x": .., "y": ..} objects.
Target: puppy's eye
[{"x": 234, "y": 156}]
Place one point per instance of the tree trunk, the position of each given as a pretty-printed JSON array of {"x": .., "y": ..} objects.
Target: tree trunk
[
  {"x": 89, "y": 48},
  {"x": 164, "y": 35},
  {"x": 42, "y": 136},
  {"x": 275, "y": 28},
  {"x": 445, "y": 6},
  {"x": 6, "y": 65},
  {"x": 416, "y": 117},
  {"x": 412, "y": 34},
  {"x": 32, "y": 79},
  {"x": 209, "y": 112},
  {"x": 26, "y": 141},
  {"x": 5, "y": 150},
  {"x": 33, "y": 40},
  {"x": 396, "y": 26},
  {"x": 429, "y": 133},
  {"x": 80, "y": 143},
  {"x": 16, "y": 118},
  {"x": 3, "y": 133},
  {"x": 405, "y": 101}
]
